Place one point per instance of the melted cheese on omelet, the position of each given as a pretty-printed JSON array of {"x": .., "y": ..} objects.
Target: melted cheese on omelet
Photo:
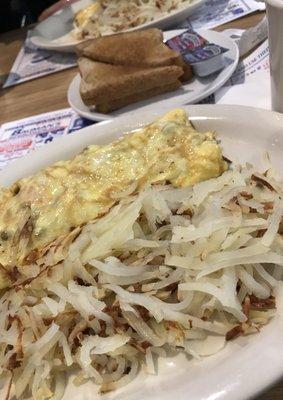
[{"x": 37, "y": 210}]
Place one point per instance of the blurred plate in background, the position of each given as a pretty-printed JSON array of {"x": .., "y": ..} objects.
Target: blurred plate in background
[{"x": 54, "y": 33}]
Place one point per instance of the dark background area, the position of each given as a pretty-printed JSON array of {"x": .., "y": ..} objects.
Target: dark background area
[{"x": 18, "y": 13}]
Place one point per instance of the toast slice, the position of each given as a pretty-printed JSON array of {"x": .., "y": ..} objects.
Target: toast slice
[
  {"x": 106, "y": 107},
  {"x": 152, "y": 34},
  {"x": 187, "y": 69},
  {"x": 105, "y": 82},
  {"x": 138, "y": 48}
]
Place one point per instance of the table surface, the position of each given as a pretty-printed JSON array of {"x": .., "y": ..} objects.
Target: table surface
[{"x": 49, "y": 93}]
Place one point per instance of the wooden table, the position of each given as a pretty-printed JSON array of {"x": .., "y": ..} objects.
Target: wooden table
[{"x": 49, "y": 93}]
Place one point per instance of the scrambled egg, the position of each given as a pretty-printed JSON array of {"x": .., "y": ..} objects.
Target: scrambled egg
[
  {"x": 83, "y": 16},
  {"x": 37, "y": 210}
]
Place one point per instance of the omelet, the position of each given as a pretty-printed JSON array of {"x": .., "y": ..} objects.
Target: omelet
[{"x": 39, "y": 209}]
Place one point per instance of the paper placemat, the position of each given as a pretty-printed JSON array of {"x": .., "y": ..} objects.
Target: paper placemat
[
  {"x": 19, "y": 137},
  {"x": 213, "y": 13},
  {"x": 250, "y": 83},
  {"x": 33, "y": 63}
]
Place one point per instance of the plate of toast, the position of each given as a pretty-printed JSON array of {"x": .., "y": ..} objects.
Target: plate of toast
[
  {"x": 94, "y": 18},
  {"x": 122, "y": 73}
]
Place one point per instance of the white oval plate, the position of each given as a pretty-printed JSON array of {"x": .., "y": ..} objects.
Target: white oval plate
[
  {"x": 247, "y": 365},
  {"x": 191, "y": 92},
  {"x": 55, "y": 32}
]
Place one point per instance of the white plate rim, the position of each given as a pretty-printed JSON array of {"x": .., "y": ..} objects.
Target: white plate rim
[
  {"x": 268, "y": 364},
  {"x": 160, "y": 22},
  {"x": 82, "y": 110}
]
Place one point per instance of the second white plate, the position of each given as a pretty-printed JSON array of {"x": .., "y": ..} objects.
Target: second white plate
[
  {"x": 192, "y": 92},
  {"x": 55, "y": 33}
]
